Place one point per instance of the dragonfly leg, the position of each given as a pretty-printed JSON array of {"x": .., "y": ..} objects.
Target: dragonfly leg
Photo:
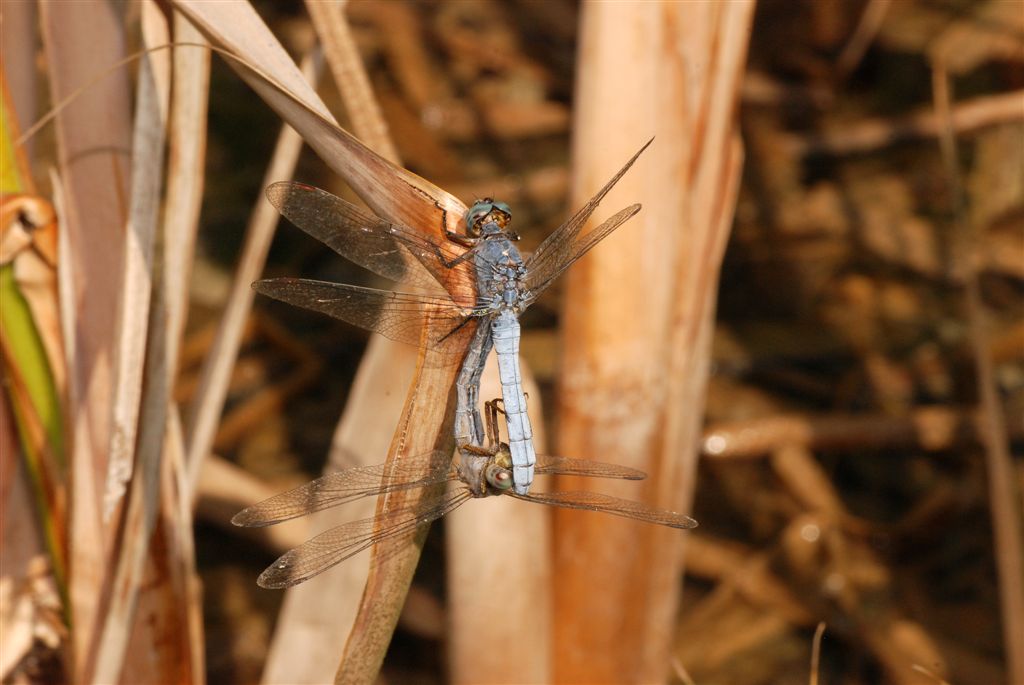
[
  {"x": 460, "y": 239},
  {"x": 491, "y": 410},
  {"x": 457, "y": 238},
  {"x": 468, "y": 254}
]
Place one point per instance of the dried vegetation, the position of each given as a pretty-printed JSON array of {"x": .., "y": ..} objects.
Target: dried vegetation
[{"x": 861, "y": 388}]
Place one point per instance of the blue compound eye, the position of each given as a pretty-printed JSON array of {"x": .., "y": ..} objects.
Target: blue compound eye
[
  {"x": 476, "y": 214},
  {"x": 499, "y": 212}
]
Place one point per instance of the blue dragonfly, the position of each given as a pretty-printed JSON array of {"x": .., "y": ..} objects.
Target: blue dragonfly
[{"x": 461, "y": 296}]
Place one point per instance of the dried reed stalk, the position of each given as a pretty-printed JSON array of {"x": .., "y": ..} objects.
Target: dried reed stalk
[
  {"x": 112, "y": 273},
  {"x": 874, "y": 133},
  {"x": 81, "y": 39},
  {"x": 18, "y": 46},
  {"x": 929, "y": 428},
  {"x": 1004, "y": 495},
  {"x": 33, "y": 494},
  {"x": 318, "y": 615},
  {"x": 474, "y": 570},
  {"x": 31, "y": 344},
  {"x": 176, "y": 496},
  {"x": 21, "y": 541},
  {"x": 426, "y": 422},
  {"x": 167, "y": 640},
  {"x": 349, "y": 75},
  {"x": 867, "y": 28},
  {"x": 186, "y": 164},
  {"x": 166, "y": 633},
  {"x": 133, "y": 416},
  {"x": 151, "y": 104},
  {"x": 639, "y": 312}
]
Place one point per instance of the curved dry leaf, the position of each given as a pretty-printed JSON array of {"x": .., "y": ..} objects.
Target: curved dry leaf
[
  {"x": 139, "y": 354},
  {"x": 390, "y": 191},
  {"x": 81, "y": 39}
]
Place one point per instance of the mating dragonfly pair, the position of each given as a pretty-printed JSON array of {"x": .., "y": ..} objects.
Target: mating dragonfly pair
[{"x": 469, "y": 290}]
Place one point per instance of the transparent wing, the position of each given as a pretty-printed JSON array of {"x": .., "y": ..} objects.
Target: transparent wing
[
  {"x": 338, "y": 544},
  {"x": 393, "y": 251},
  {"x": 538, "y": 281},
  {"x": 395, "y": 315},
  {"x": 344, "y": 486},
  {"x": 594, "y": 501},
  {"x": 561, "y": 248},
  {"x": 565, "y": 466}
]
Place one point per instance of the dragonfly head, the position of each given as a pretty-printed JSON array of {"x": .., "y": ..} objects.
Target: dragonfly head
[
  {"x": 498, "y": 478},
  {"x": 498, "y": 471},
  {"x": 487, "y": 217}
]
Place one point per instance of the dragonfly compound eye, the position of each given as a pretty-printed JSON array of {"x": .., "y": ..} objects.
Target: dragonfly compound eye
[
  {"x": 475, "y": 216},
  {"x": 498, "y": 478},
  {"x": 487, "y": 211}
]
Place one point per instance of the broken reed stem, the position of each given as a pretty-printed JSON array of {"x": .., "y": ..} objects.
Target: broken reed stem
[
  {"x": 1005, "y": 505},
  {"x": 144, "y": 319},
  {"x": 928, "y": 428},
  {"x": 819, "y": 633},
  {"x": 859, "y": 42},
  {"x": 874, "y": 133}
]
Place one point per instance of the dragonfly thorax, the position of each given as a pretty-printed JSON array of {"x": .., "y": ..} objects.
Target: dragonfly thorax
[{"x": 500, "y": 272}]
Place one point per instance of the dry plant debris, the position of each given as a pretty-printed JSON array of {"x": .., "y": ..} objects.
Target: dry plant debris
[{"x": 843, "y": 478}]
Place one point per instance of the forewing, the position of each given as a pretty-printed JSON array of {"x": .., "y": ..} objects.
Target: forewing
[
  {"x": 594, "y": 501},
  {"x": 565, "y": 466},
  {"x": 556, "y": 252},
  {"x": 344, "y": 486},
  {"x": 538, "y": 280},
  {"x": 395, "y": 315},
  {"x": 392, "y": 251},
  {"x": 338, "y": 544}
]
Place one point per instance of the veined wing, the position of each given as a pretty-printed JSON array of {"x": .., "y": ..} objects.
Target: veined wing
[
  {"x": 566, "y": 466},
  {"x": 344, "y": 486},
  {"x": 338, "y": 544},
  {"x": 562, "y": 248},
  {"x": 395, "y": 315},
  {"x": 594, "y": 501},
  {"x": 392, "y": 251},
  {"x": 537, "y": 282}
]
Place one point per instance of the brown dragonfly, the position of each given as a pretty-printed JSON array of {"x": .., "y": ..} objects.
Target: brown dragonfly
[{"x": 479, "y": 472}]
